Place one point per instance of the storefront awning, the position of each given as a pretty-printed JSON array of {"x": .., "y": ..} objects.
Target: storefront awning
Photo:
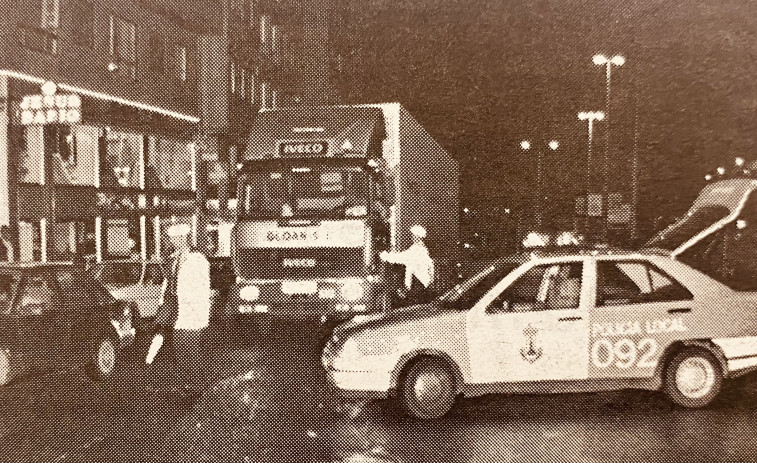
[{"x": 336, "y": 131}]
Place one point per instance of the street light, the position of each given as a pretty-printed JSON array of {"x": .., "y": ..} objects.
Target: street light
[
  {"x": 525, "y": 146},
  {"x": 602, "y": 60},
  {"x": 739, "y": 161},
  {"x": 721, "y": 170},
  {"x": 589, "y": 116},
  {"x": 708, "y": 177}
]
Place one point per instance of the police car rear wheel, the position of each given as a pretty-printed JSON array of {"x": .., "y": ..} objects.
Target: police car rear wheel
[
  {"x": 427, "y": 390},
  {"x": 693, "y": 378}
]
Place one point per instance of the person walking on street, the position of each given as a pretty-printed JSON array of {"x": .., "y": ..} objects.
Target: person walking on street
[
  {"x": 186, "y": 306},
  {"x": 419, "y": 267}
]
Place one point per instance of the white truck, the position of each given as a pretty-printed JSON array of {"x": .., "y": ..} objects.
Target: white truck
[{"x": 321, "y": 192}]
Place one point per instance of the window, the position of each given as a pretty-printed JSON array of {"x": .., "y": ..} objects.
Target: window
[
  {"x": 37, "y": 297},
  {"x": 39, "y": 27},
  {"x": 251, "y": 80},
  {"x": 50, "y": 14},
  {"x": 180, "y": 68},
  {"x": 233, "y": 77},
  {"x": 274, "y": 94},
  {"x": 242, "y": 87},
  {"x": 620, "y": 283},
  {"x": 123, "y": 38},
  {"x": 264, "y": 95},
  {"x": 157, "y": 58},
  {"x": 545, "y": 287},
  {"x": 83, "y": 14},
  {"x": 265, "y": 25},
  {"x": 275, "y": 39},
  {"x": 253, "y": 4}
]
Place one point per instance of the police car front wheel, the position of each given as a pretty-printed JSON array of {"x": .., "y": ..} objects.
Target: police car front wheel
[
  {"x": 428, "y": 388},
  {"x": 693, "y": 377}
]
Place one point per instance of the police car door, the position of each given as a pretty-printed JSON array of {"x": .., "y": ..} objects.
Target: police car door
[
  {"x": 639, "y": 310},
  {"x": 534, "y": 328}
]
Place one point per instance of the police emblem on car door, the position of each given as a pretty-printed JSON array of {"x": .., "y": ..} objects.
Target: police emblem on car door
[{"x": 533, "y": 329}]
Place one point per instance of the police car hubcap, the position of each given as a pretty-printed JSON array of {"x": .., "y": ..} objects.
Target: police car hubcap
[
  {"x": 430, "y": 387},
  {"x": 695, "y": 377},
  {"x": 106, "y": 356}
]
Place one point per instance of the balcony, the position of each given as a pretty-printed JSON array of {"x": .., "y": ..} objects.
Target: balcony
[{"x": 38, "y": 39}]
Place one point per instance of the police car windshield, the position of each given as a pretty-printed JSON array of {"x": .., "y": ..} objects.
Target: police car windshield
[
  {"x": 688, "y": 227},
  {"x": 323, "y": 191},
  {"x": 466, "y": 293}
]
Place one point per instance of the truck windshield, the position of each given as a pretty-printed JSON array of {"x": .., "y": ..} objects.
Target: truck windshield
[
  {"x": 326, "y": 191},
  {"x": 688, "y": 227}
]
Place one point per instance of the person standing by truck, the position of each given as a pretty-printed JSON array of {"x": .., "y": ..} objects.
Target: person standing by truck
[
  {"x": 187, "y": 306},
  {"x": 419, "y": 267}
]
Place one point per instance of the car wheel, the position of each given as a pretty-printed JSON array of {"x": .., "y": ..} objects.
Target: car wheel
[
  {"x": 102, "y": 358},
  {"x": 5, "y": 367},
  {"x": 427, "y": 389},
  {"x": 693, "y": 377}
]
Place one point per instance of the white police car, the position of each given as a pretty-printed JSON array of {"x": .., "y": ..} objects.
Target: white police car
[{"x": 553, "y": 322}]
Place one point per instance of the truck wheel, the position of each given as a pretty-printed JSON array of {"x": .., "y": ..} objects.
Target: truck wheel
[
  {"x": 693, "y": 377},
  {"x": 102, "y": 357},
  {"x": 427, "y": 389},
  {"x": 5, "y": 367}
]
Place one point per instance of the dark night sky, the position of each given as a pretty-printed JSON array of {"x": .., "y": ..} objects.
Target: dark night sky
[{"x": 483, "y": 75}]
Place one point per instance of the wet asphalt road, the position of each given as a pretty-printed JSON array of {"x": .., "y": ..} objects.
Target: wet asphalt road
[{"x": 269, "y": 403}]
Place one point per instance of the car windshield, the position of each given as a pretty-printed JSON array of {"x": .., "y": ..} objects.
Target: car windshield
[
  {"x": 304, "y": 192},
  {"x": 466, "y": 293},
  {"x": 688, "y": 227}
]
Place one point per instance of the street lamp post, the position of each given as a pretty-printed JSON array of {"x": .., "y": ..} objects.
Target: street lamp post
[
  {"x": 589, "y": 116},
  {"x": 602, "y": 60},
  {"x": 525, "y": 145}
]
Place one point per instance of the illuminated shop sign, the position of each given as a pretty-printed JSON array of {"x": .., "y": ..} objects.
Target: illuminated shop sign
[
  {"x": 318, "y": 148},
  {"x": 50, "y": 107}
]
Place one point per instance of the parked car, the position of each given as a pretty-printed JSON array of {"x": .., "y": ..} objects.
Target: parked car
[
  {"x": 140, "y": 282},
  {"x": 55, "y": 313},
  {"x": 548, "y": 321}
]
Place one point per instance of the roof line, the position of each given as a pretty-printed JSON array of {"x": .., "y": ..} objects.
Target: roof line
[{"x": 103, "y": 96}]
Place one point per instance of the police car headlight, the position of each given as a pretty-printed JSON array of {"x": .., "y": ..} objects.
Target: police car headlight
[
  {"x": 249, "y": 293},
  {"x": 351, "y": 291}
]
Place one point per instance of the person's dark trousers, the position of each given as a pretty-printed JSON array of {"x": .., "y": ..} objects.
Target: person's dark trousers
[
  {"x": 417, "y": 294},
  {"x": 192, "y": 358}
]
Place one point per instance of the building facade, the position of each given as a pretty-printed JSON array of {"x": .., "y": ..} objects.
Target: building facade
[{"x": 120, "y": 118}]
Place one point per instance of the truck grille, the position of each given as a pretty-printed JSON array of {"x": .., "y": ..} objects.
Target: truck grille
[{"x": 311, "y": 263}]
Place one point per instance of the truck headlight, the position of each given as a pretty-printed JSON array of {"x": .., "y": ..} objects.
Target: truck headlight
[
  {"x": 351, "y": 291},
  {"x": 249, "y": 293}
]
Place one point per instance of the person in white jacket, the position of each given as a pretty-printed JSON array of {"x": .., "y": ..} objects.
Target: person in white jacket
[
  {"x": 419, "y": 267},
  {"x": 187, "y": 289}
]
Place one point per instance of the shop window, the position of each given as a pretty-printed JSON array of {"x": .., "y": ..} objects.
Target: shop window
[
  {"x": 31, "y": 167},
  {"x": 63, "y": 237},
  {"x": 180, "y": 63},
  {"x": 29, "y": 242},
  {"x": 122, "y": 156},
  {"x": 8, "y": 285},
  {"x": 122, "y": 239},
  {"x": 169, "y": 164},
  {"x": 157, "y": 58},
  {"x": 75, "y": 155},
  {"x": 83, "y": 18},
  {"x": 123, "y": 39}
]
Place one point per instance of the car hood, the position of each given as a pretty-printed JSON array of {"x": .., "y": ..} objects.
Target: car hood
[{"x": 393, "y": 317}]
